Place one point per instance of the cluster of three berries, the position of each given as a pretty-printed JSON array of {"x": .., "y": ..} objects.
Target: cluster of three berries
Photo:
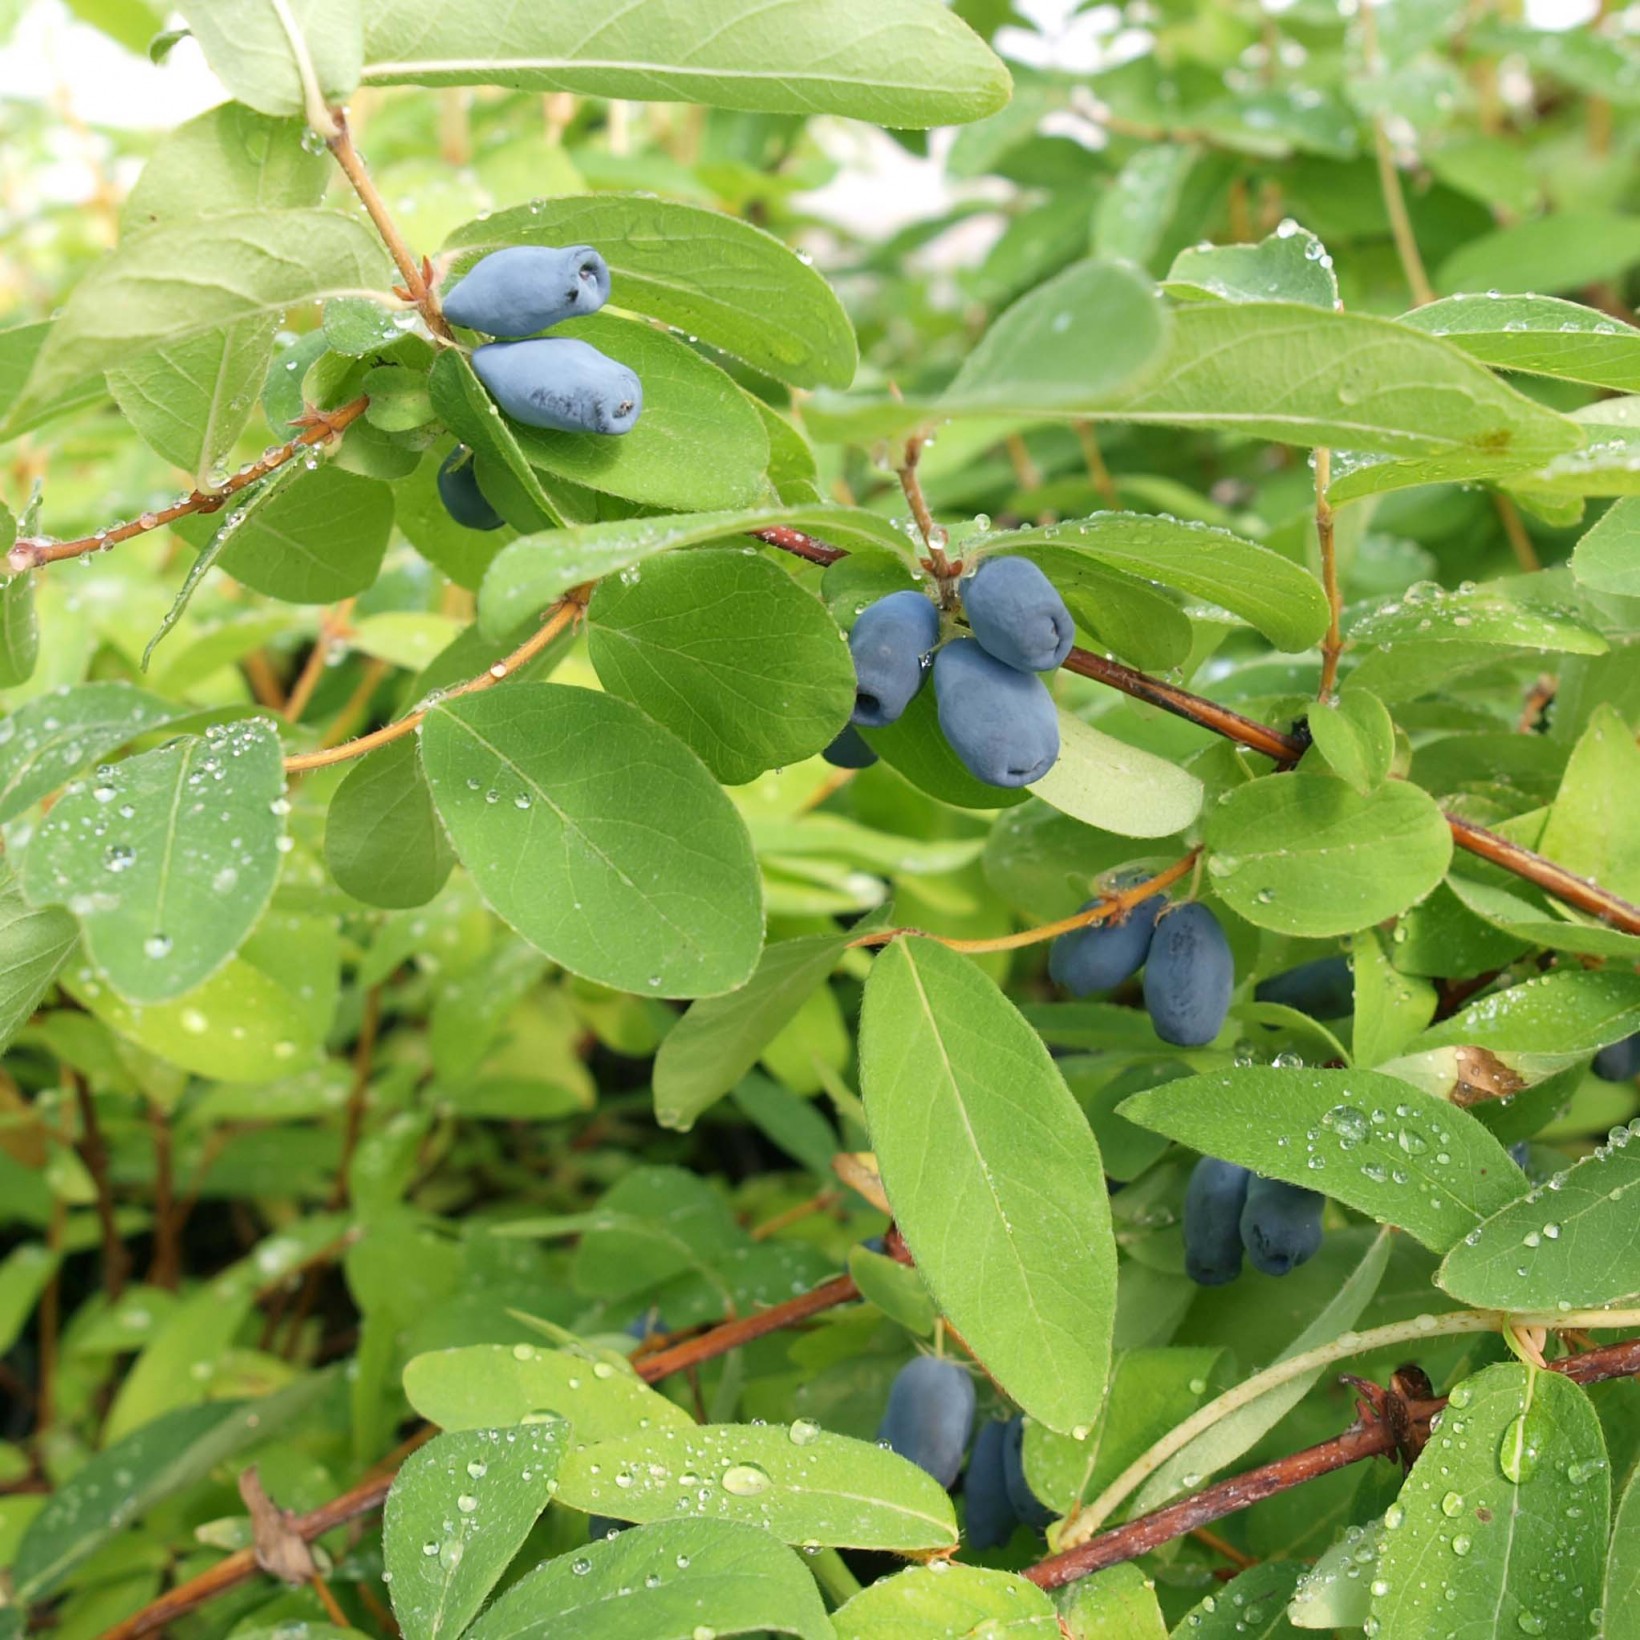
[
  {"x": 995, "y": 712},
  {"x": 555, "y": 382}
]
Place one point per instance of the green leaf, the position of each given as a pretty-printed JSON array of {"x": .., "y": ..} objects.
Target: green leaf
[
  {"x": 536, "y": 569},
  {"x": 1501, "y": 613},
  {"x": 162, "y": 288},
  {"x": 1356, "y": 737},
  {"x": 1390, "y": 1007},
  {"x": 472, "y": 1495},
  {"x": 226, "y": 159},
  {"x": 316, "y": 540},
  {"x": 800, "y": 1483},
  {"x": 669, "y": 1581},
  {"x": 734, "y": 286},
  {"x": 19, "y": 347},
  {"x": 1299, "y": 375},
  {"x": 916, "y": 748},
  {"x": 1118, "y": 787},
  {"x": 1151, "y": 1391},
  {"x": 1570, "y": 1245},
  {"x": 1368, "y": 1140},
  {"x": 1239, "y": 1431},
  {"x": 1066, "y": 347},
  {"x": 1252, "y": 1606},
  {"x": 1607, "y": 558},
  {"x": 1271, "y": 593},
  {"x": 1538, "y": 335},
  {"x": 262, "y": 49},
  {"x": 720, "y": 1038},
  {"x": 19, "y": 629},
  {"x": 1501, "y": 1525},
  {"x": 903, "y": 63},
  {"x": 1591, "y": 828},
  {"x": 1564, "y": 250},
  {"x": 383, "y": 841},
  {"x": 1132, "y": 214},
  {"x": 1622, "y": 1602},
  {"x": 167, "y": 858},
  {"x": 598, "y": 836},
  {"x": 723, "y": 647},
  {"x": 1290, "y": 265},
  {"x": 936, "y": 1602},
  {"x": 1303, "y": 854},
  {"x": 992, "y": 1173},
  {"x": 34, "y": 944},
  {"x": 698, "y": 444},
  {"x": 494, "y": 1386},
  {"x": 53, "y": 737},
  {"x": 1570, "y": 1012},
  {"x": 24, "y": 1273},
  {"x": 117, "y": 1486}
]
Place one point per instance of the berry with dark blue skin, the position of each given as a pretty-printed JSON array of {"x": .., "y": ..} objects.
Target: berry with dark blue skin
[
  {"x": 524, "y": 288},
  {"x": 1189, "y": 976},
  {"x": 1001, "y": 722},
  {"x": 1213, "y": 1202},
  {"x": 929, "y": 1415},
  {"x": 1619, "y": 1061},
  {"x": 458, "y": 490},
  {"x": 560, "y": 383},
  {"x": 1028, "y": 1507},
  {"x": 849, "y": 750},
  {"x": 1280, "y": 1225},
  {"x": 651, "y": 1324},
  {"x": 1323, "y": 989},
  {"x": 990, "y": 1519},
  {"x": 1017, "y": 614},
  {"x": 1102, "y": 955},
  {"x": 890, "y": 643}
]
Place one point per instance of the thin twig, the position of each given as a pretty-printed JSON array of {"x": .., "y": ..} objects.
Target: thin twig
[
  {"x": 1098, "y": 473},
  {"x": 561, "y": 615},
  {"x": 166, "y": 1269},
  {"x": 358, "y": 1098},
  {"x": 336, "y": 622},
  {"x": 33, "y": 551},
  {"x": 417, "y": 289},
  {"x": 1389, "y": 176},
  {"x": 94, "y": 1153},
  {"x": 933, "y": 537},
  {"x": 1520, "y": 543},
  {"x": 1332, "y": 646}
]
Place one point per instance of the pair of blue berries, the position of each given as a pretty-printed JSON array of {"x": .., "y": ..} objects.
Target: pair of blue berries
[
  {"x": 994, "y": 710},
  {"x": 1189, "y": 971},
  {"x": 555, "y": 382},
  {"x": 1229, "y": 1210},
  {"x": 929, "y": 1419}
]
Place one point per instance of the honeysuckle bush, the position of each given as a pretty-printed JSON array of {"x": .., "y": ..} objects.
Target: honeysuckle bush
[{"x": 436, "y": 962}]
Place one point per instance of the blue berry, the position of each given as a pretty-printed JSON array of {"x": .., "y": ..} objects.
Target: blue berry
[
  {"x": 1017, "y": 614},
  {"x": 524, "y": 288},
  {"x": 890, "y": 643},
  {"x": 1280, "y": 1225},
  {"x": 1001, "y": 722},
  {"x": 1213, "y": 1202},
  {"x": 1189, "y": 976},
  {"x": 1102, "y": 955},
  {"x": 1323, "y": 989},
  {"x": 990, "y": 1519},
  {"x": 1619, "y": 1061},
  {"x": 929, "y": 1415},
  {"x": 560, "y": 383},
  {"x": 458, "y": 490},
  {"x": 849, "y": 750},
  {"x": 1028, "y": 1507}
]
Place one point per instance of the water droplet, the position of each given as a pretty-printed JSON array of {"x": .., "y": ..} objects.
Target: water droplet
[{"x": 745, "y": 1480}]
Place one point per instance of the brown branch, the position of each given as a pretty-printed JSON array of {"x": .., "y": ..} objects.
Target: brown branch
[
  {"x": 1389, "y": 177},
  {"x": 1371, "y": 1436},
  {"x": 561, "y": 615},
  {"x": 1332, "y": 646},
  {"x": 364, "y": 1054},
  {"x": 732, "y": 1334},
  {"x": 1520, "y": 543},
  {"x": 33, "y": 551},
  {"x": 1098, "y": 472},
  {"x": 336, "y": 622},
  {"x": 94, "y": 1153},
  {"x": 166, "y": 1269},
  {"x": 805, "y": 546},
  {"x": 417, "y": 288},
  {"x": 933, "y": 537}
]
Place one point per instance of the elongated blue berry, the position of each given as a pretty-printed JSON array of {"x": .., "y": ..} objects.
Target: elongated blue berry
[
  {"x": 849, "y": 750},
  {"x": 1619, "y": 1061},
  {"x": 989, "y": 1518},
  {"x": 524, "y": 288},
  {"x": 1323, "y": 989},
  {"x": 560, "y": 383},
  {"x": 930, "y": 1412},
  {"x": 1189, "y": 976},
  {"x": 1001, "y": 722},
  {"x": 1280, "y": 1225},
  {"x": 458, "y": 490},
  {"x": 1017, "y": 614},
  {"x": 1102, "y": 955},
  {"x": 1213, "y": 1201},
  {"x": 890, "y": 643},
  {"x": 1032, "y": 1511}
]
